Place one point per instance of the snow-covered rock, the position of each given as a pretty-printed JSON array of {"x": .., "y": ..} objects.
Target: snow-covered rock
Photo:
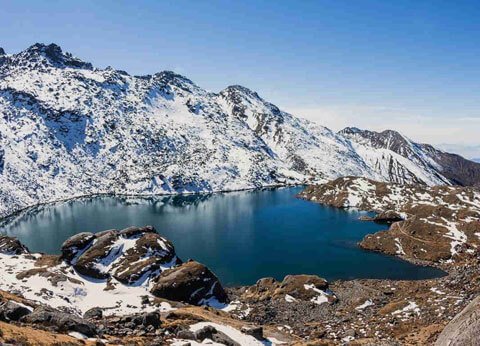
[{"x": 119, "y": 272}]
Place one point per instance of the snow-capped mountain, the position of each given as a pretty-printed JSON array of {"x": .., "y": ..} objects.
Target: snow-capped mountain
[
  {"x": 402, "y": 160},
  {"x": 69, "y": 129}
]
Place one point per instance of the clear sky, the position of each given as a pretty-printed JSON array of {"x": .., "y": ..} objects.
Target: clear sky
[{"x": 413, "y": 66}]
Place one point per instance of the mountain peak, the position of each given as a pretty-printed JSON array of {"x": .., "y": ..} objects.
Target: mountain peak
[
  {"x": 55, "y": 55},
  {"x": 239, "y": 89},
  {"x": 350, "y": 130},
  {"x": 2, "y": 51}
]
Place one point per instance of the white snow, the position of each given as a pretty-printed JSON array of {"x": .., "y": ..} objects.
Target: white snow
[
  {"x": 411, "y": 307},
  {"x": 234, "y": 334},
  {"x": 366, "y": 304},
  {"x": 289, "y": 298},
  {"x": 322, "y": 296},
  {"x": 79, "y": 296},
  {"x": 398, "y": 244},
  {"x": 73, "y": 131}
]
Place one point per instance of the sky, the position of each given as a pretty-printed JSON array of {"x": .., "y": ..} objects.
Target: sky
[{"x": 412, "y": 66}]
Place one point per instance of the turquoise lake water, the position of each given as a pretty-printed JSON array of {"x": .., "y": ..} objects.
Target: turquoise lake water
[{"x": 241, "y": 236}]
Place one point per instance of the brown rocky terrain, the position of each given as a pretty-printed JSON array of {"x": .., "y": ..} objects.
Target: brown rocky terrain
[
  {"x": 441, "y": 224},
  {"x": 67, "y": 299}
]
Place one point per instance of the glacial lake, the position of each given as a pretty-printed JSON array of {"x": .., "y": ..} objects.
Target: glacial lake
[{"x": 240, "y": 236}]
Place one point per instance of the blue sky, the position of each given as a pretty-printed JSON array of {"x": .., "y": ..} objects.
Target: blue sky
[{"x": 408, "y": 65}]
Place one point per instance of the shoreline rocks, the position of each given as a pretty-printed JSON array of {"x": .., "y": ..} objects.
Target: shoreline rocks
[
  {"x": 12, "y": 246},
  {"x": 191, "y": 282}
]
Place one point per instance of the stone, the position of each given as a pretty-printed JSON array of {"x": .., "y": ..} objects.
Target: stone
[
  {"x": 93, "y": 313},
  {"x": 61, "y": 321},
  {"x": 12, "y": 246},
  {"x": 205, "y": 333},
  {"x": 191, "y": 282},
  {"x": 256, "y": 332},
  {"x": 12, "y": 311},
  {"x": 151, "y": 319},
  {"x": 186, "y": 334}
]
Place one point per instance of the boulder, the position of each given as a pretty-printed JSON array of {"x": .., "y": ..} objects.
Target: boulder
[
  {"x": 191, "y": 282},
  {"x": 60, "y": 321},
  {"x": 129, "y": 255},
  {"x": 12, "y": 246},
  {"x": 93, "y": 314},
  {"x": 12, "y": 311},
  {"x": 186, "y": 334},
  {"x": 151, "y": 319},
  {"x": 464, "y": 328},
  {"x": 306, "y": 287},
  {"x": 75, "y": 244},
  {"x": 256, "y": 332},
  {"x": 209, "y": 332},
  {"x": 301, "y": 287}
]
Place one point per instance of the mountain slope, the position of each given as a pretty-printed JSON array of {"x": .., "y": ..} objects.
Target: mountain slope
[
  {"x": 388, "y": 150},
  {"x": 69, "y": 129}
]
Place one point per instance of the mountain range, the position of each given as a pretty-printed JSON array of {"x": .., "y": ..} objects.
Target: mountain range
[{"x": 68, "y": 129}]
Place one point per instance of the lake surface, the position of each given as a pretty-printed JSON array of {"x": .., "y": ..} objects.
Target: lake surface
[{"x": 241, "y": 236}]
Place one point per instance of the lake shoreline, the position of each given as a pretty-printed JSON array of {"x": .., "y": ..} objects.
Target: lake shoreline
[
  {"x": 340, "y": 229},
  {"x": 6, "y": 218}
]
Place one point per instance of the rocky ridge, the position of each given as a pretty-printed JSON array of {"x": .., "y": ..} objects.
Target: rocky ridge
[
  {"x": 451, "y": 168},
  {"x": 68, "y": 129}
]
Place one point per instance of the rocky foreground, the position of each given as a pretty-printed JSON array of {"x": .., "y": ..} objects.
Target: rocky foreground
[{"x": 129, "y": 286}]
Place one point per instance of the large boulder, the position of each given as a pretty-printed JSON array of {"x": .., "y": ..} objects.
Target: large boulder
[
  {"x": 60, "y": 321},
  {"x": 74, "y": 245},
  {"x": 192, "y": 283},
  {"x": 12, "y": 246},
  {"x": 464, "y": 329},
  {"x": 12, "y": 311},
  {"x": 129, "y": 255},
  {"x": 310, "y": 288}
]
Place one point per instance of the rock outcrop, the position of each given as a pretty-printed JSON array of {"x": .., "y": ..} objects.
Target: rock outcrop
[
  {"x": 110, "y": 272},
  {"x": 12, "y": 246},
  {"x": 310, "y": 288},
  {"x": 128, "y": 255},
  {"x": 13, "y": 311},
  {"x": 60, "y": 321},
  {"x": 464, "y": 329},
  {"x": 192, "y": 283}
]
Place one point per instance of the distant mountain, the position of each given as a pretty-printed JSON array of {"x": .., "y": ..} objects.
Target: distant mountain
[
  {"x": 476, "y": 160},
  {"x": 398, "y": 157},
  {"x": 69, "y": 129}
]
